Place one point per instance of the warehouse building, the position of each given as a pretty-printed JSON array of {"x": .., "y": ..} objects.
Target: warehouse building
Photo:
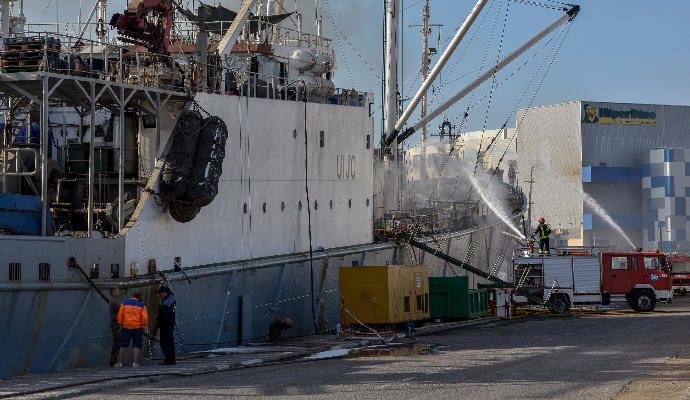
[{"x": 631, "y": 159}]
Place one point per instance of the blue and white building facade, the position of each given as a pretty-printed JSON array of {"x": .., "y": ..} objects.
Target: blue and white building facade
[
  {"x": 631, "y": 159},
  {"x": 666, "y": 198}
]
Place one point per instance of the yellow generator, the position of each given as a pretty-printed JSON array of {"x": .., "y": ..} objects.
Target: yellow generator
[{"x": 386, "y": 294}]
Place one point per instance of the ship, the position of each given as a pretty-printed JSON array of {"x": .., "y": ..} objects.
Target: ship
[{"x": 210, "y": 151}]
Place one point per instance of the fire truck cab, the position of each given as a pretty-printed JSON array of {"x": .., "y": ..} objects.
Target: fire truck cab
[{"x": 640, "y": 279}]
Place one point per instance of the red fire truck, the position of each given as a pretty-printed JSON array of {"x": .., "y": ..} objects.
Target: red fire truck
[
  {"x": 681, "y": 283},
  {"x": 680, "y": 272},
  {"x": 580, "y": 276}
]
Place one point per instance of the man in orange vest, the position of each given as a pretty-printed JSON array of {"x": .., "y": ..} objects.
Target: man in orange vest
[{"x": 133, "y": 319}]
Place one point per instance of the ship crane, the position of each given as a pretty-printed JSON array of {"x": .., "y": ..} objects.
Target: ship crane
[
  {"x": 398, "y": 135},
  {"x": 135, "y": 26}
]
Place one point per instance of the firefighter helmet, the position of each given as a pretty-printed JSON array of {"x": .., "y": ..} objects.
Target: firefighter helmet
[{"x": 541, "y": 220}]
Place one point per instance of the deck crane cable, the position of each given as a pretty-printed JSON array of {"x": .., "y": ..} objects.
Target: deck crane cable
[
  {"x": 452, "y": 68},
  {"x": 493, "y": 85},
  {"x": 412, "y": 5},
  {"x": 542, "y": 65},
  {"x": 559, "y": 43},
  {"x": 475, "y": 104},
  {"x": 548, "y": 69},
  {"x": 346, "y": 40},
  {"x": 494, "y": 170},
  {"x": 331, "y": 19},
  {"x": 551, "y": 5},
  {"x": 478, "y": 70},
  {"x": 466, "y": 114}
]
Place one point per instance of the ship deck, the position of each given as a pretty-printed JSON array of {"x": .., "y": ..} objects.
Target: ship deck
[{"x": 78, "y": 90}]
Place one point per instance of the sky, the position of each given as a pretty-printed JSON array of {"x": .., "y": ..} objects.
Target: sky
[{"x": 628, "y": 51}]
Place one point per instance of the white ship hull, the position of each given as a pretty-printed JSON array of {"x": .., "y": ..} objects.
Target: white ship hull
[{"x": 261, "y": 206}]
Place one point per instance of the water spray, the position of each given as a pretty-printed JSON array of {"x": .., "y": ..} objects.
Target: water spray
[{"x": 494, "y": 203}]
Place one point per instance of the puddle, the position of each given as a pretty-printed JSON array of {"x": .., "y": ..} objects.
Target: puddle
[
  {"x": 418, "y": 349},
  {"x": 391, "y": 350}
]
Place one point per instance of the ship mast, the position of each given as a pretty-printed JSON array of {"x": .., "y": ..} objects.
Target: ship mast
[
  {"x": 391, "y": 85},
  {"x": 392, "y": 193},
  {"x": 426, "y": 60}
]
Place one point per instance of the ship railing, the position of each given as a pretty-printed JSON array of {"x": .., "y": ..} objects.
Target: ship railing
[
  {"x": 252, "y": 84},
  {"x": 253, "y": 33},
  {"x": 68, "y": 55},
  {"x": 66, "y": 28}
]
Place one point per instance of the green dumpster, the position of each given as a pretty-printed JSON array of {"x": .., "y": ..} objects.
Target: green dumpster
[{"x": 451, "y": 298}]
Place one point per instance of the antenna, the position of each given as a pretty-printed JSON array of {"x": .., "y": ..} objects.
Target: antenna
[
  {"x": 426, "y": 60},
  {"x": 427, "y": 52},
  {"x": 529, "y": 198}
]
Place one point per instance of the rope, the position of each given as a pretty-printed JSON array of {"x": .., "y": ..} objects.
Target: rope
[
  {"x": 564, "y": 32},
  {"x": 339, "y": 43},
  {"x": 372, "y": 330},
  {"x": 354, "y": 49},
  {"x": 306, "y": 189},
  {"x": 493, "y": 85}
]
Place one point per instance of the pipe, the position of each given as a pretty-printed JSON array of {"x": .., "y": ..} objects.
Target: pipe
[
  {"x": 92, "y": 165},
  {"x": 44, "y": 156},
  {"x": 121, "y": 164},
  {"x": 86, "y": 24},
  {"x": 440, "y": 64},
  {"x": 5, "y": 9},
  {"x": 569, "y": 16},
  {"x": 102, "y": 16},
  {"x": 391, "y": 93}
]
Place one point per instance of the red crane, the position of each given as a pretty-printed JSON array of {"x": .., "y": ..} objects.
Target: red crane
[{"x": 146, "y": 23}]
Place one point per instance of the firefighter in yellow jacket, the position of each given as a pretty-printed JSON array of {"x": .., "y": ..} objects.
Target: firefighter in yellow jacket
[
  {"x": 133, "y": 319},
  {"x": 544, "y": 231}
]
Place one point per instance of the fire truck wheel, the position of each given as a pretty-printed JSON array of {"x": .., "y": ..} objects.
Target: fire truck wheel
[{"x": 643, "y": 301}]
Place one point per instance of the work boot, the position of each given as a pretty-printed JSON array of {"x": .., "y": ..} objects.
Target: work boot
[
  {"x": 117, "y": 365},
  {"x": 135, "y": 365}
]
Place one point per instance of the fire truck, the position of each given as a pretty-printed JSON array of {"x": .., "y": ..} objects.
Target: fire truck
[
  {"x": 680, "y": 273},
  {"x": 579, "y": 277}
]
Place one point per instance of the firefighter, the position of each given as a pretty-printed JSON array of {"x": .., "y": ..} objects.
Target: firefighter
[{"x": 544, "y": 231}]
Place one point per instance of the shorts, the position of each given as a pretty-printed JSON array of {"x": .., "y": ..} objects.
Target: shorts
[{"x": 134, "y": 335}]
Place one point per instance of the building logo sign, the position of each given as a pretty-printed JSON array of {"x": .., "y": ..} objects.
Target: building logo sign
[{"x": 605, "y": 115}]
